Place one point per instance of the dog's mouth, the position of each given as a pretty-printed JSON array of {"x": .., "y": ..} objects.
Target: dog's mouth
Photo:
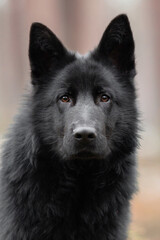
[{"x": 86, "y": 155}]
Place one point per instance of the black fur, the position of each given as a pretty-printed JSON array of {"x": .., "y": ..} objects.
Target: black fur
[{"x": 68, "y": 168}]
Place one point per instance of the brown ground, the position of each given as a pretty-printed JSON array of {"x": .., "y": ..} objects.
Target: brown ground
[{"x": 146, "y": 204}]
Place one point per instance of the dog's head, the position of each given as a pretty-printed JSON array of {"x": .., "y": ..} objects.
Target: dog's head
[{"x": 84, "y": 106}]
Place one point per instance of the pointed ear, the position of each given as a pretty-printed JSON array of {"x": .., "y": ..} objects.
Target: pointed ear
[
  {"x": 117, "y": 44},
  {"x": 46, "y": 52}
]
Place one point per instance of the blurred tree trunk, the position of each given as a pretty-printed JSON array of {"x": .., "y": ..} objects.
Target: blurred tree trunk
[
  {"x": 155, "y": 12},
  {"x": 84, "y": 23}
]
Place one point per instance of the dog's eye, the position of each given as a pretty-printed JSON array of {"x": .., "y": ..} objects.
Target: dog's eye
[
  {"x": 104, "y": 98},
  {"x": 65, "y": 98}
]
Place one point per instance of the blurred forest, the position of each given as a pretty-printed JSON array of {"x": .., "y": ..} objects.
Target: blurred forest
[{"x": 80, "y": 24}]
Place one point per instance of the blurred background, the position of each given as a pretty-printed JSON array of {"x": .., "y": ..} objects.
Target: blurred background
[{"x": 80, "y": 24}]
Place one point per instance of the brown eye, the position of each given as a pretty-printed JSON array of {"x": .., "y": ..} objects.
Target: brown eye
[
  {"x": 104, "y": 98},
  {"x": 65, "y": 98}
]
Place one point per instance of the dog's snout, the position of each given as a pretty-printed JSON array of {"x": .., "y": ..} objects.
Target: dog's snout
[{"x": 84, "y": 133}]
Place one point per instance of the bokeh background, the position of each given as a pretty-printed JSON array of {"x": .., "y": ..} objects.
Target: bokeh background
[{"x": 80, "y": 24}]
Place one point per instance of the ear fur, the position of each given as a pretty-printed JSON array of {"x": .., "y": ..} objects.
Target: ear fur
[
  {"x": 46, "y": 52},
  {"x": 117, "y": 44}
]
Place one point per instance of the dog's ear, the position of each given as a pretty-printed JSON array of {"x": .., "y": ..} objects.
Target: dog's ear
[
  {"x": 117, "y": 44},
  {"x": 46, "y": 52}
]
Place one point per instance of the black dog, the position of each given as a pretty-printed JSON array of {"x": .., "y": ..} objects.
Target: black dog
[{"x": 68, "y": 167}]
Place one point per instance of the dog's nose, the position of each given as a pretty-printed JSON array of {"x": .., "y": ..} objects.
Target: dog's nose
[{"x": 84, "y": 133}]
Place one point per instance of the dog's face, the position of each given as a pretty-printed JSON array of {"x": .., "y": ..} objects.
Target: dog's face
[{"x": 85, "y": 106}]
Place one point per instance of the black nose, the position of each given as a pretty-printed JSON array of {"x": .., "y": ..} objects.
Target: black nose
[{"x": 84, "y": 133}]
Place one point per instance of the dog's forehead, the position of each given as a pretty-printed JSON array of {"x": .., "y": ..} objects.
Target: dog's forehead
[
  {"x": 86, "y": 70},
  {"x": 84, "y": 73}
]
